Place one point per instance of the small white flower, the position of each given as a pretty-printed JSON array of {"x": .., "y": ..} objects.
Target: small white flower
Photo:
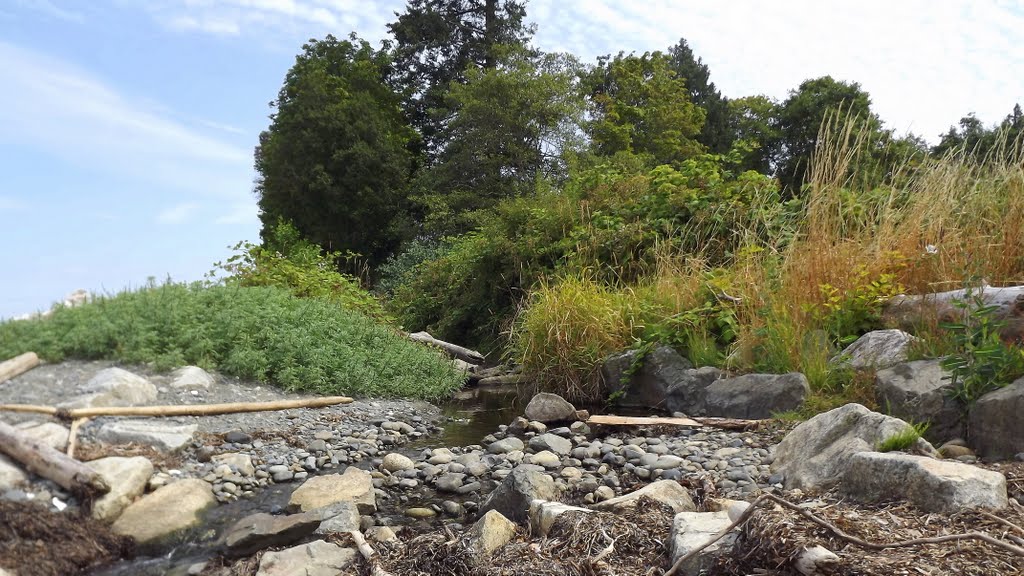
[{"x": 931, "y": 249}]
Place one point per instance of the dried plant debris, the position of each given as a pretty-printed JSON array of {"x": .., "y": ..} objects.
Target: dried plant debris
[
  {"x": 578, "y": 544},
  {"x": 775, "y": 536}
]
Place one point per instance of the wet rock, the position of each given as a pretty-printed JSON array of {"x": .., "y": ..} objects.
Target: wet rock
[
  {"x": 877, "y": 349},
  {"x": 919, "y": 392},
  {"x": 258, "y": 531},
  {"x": 192, "y": 378},
  {"x": 420, "y": 513},
  {"x": 237, "y": 437},
  {"x": 176, "y": 505},
  {"x": 816, "y": 453},
  {"x": 513, "y": 496},
  {"x": 127, "y": 478},
  {"x": 354, "y": 485},
  {"x": 545, "y": 407},
  {"x": 756, "y": 396},
  {"x": 317, "y": 558},
  {"x": 449, "y": 482},
  {"x": 667, "y": 492},
  {"x": 931, "y": 485},
  {"x": 690, "y": 530},
  {"x": 490, "y": 532},
  {"x": 160, "y": 435}
]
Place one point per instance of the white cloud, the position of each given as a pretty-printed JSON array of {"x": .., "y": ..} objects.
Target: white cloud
[
  {"x": 924, "y": 63},
  {"x": 50, "y": 105},
  {"x": 177, "y": 214},
  {"x": 10, "y": 204},
  {"x": 52, "y": 10},
  {"x": 242, "y": 213}
]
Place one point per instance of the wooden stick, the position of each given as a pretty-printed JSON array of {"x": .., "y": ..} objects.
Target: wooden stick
[
  {"x": 454, "y": 350},
  {"x": 73, "y": 435},
  {"x": 52, "y": 464},
  {"x": 503, "y": 380},
  {"x": 368, "y": 553},
  {"x": 724, "y": 423},
  {"x": 184, "y": 410},
  {"x": 18, "y": 365}
]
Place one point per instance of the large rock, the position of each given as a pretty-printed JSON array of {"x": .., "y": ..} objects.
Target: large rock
[
  {"x": 354, "y": 485},
  {"x": 756, "y": 396},
  {"x": 552, "y": 442},
  {"x": 317, "y": 558},
  {"x": 113, "y": 387},
  {"x": 11, "y": 475},
  {"x": 395, "y": 462},
  {"x": 997, "y": 422},
  {"x": 648, "y": 386},
  {"x": 877, "y": 349},
  {"x": 127, "y": 478},
  {"x": 545, "y": 407},
  {"x": 816, "y": 453},
  {"x": 513, "y": 496},
  {"x": 192, "y": 378},
  {"x": 932, "y": 485},
  {"x": 338, "y": 517},
  {"x": 174, "y": 507},
  {"x": 241, "y": 463},
  {"x": 49, "y": 433},
  {"x": 688, "y": 392},
  {"x": 258, "y": 531},
  {"x": 918, "y": 392},
  {"x": 543, "y": 515},
  {"x": 691, "y": 530},
  {"x": 490, "y": 532},
  {"x": 156, "y": 433},
  {"x": 667, "y": 492}
]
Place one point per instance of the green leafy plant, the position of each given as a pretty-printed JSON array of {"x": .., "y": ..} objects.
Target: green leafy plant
[
  {"x": 903, "y": 440},
  {"x": 981, "y": 362},
  {"x": 847, "y": 315}
]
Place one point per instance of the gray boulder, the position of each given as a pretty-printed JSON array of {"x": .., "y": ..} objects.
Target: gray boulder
[
  {"x": 258, "y": 531},
  {"x": 113, "y": 387},
  {"x": 556, "y": 444},
  {"x": 192, "y": 378},
  {"x": 158, "y": 434},
  {"x": 545, "y": 407},
  {"x": 932, "y": 485},
  {"x": 127, "y": 478},
  {"x": 756, "y": 395},
  {"x": 648, "y": 386},
  {"x": 513, "y": 496},
  {"x": 316, "y": 558},
  {"x": 876, "y": 349},
  {"x": 997, "y": 422},
  {"x": 816, "y": 453},
  {"x": 917, "y": 392},
  {"x": 688, "y": 393},
  {"x": 354, "y": 485},
  {"x": 691, "y": 530},
  {"x": 174, "y": 507}
]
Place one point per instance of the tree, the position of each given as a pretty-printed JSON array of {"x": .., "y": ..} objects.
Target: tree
[
  {"x": 753, "y": 121},
  {"x": 715, "y": 135},
  {"x": 336, "y": 158},
  {"x": 801, "y": 117},
  {"x": 511, "y": 125},
  {"x": 640, "y": 106},
  {"x": 436, "y": 41},
  {"x": 973, "y": 137}
]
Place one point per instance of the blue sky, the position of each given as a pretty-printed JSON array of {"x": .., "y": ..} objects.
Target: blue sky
[{"x": 127, "y": 126}]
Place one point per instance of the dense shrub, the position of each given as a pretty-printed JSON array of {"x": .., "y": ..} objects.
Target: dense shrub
[{"x": 260, "y": 333}]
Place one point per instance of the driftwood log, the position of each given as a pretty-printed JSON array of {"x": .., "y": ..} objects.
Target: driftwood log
[
  {"x": 18, "y": 365},
  {"x": 453, "y": 350},
  {"x": 723, "y": 423},
  {"x": 503, "y": 380},
  {"x": 52, "y": 464},
  {"x": 185, "y": 410},
  {"x": 906, "y": 312}
]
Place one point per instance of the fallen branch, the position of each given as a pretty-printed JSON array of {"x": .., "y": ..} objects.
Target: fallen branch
[
  {"x": 18, "y": 365},
  {"x": 724, "y": 423},
  {"x": 185, "y": 410},
  {"x": 987, "y": 538},
  {"x": 368, "y": 553},
  {"x": 503, "y": 380},
  {"x": 453, "y": 350},
  {"x": 49, "y": 463},
  {"x": 73, "y": 435}
]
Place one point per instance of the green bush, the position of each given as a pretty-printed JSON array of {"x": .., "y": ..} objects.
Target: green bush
[
  {"x": 400, "y": 268},
  {"x": 260, "y": 333},
  {"x": 288, "y": 261}
]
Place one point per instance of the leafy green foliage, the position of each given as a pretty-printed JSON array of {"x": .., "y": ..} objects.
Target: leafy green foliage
[
  {"x": 640, "y": 106},
  {"x": 259, "y": 333},
  {"x": 981, "y": 362},
  {"x": 903, "y": 440},
  {"x": 848, "y": 314},
  {"x": 336, "y": 158},
  {"x": 716, "y": 135},
  {"x": 975, "y": 139},
  {"x": 288, "y": 261},
  {"x": 400, "y": 267}
]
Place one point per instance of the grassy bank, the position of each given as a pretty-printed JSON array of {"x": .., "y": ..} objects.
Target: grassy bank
[{"x": 260, "y": 333}]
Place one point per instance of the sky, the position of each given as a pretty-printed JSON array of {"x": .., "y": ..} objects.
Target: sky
[{"x": 127, "y": 126}]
